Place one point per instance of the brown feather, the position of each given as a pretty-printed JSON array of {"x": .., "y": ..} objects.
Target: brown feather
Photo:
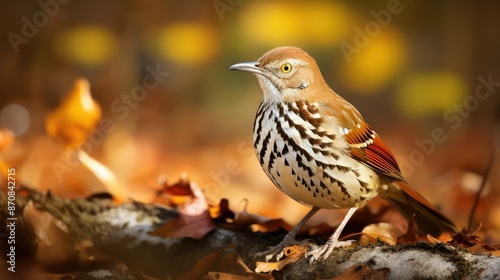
[{"x": 409, "y": 203}]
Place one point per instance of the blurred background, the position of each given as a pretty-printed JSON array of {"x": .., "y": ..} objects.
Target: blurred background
[{"x": 425, "y": 75}]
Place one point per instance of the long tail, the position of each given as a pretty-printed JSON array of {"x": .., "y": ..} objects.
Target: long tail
[{"x": 409, "y": 202}]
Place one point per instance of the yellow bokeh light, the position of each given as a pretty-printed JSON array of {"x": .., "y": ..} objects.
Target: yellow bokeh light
[
  {"x": 87, "y": 45},
  {"x": 373, "y": 66},
  {"x": 185, "y": 43},
  {"x": 274, "y": 23},
  {"x": 425, "y": 93}
]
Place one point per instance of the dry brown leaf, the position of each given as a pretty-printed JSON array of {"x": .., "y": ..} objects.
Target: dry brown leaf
[
  {"x": 194, "y": 220},
  {"x": 384, "y": 232},
  {"x": 174, "y": 194},
  {"x": 362, "y": 272},
  {"x": 432, "y": 239},
  {"x": 76, "y": 117},
  {"x": 469, "y": 240},
  {"x": 293, "y": 253},
  {"x": 47, "y": 228},
  {"x": 55, "y": 246},
  {"x": 411, "y": 236},
  {"x": 186, "y": 226}
]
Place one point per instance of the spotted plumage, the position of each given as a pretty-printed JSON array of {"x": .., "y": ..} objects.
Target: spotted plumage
[
  {"x": 317, "y": 149},
  {"x": 295, "y": 148}
]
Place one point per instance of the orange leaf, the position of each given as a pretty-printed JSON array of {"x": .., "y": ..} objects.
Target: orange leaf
[
  {"x": 75, "y": 118},
  {"x": 179, "y": 193},
  {"x": 104, "y": 175},
  {"x": 384, "y": 232},
  {"x": 6, "y": 139},
  {"x": 293, "y": 254}
]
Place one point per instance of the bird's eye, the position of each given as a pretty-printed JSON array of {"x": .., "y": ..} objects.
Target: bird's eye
[{"x": 286, "y": 68}]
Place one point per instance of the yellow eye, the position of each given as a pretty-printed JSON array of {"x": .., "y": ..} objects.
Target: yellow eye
[{"x": 286, "y": 68}]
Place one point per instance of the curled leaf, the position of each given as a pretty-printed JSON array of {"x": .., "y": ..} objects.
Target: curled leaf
[
  {"x": 194, "y": 219},
  {"x": 178, "y": 193},
  {"x": 292, "y": 253},
  {"x": 384, "y": 232}
]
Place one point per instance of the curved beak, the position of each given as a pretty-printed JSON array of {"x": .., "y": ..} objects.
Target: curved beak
[{"x": 252, "y": 67}]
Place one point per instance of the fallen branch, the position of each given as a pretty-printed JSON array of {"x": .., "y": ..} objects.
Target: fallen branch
[{"x": 122, "y": 231}]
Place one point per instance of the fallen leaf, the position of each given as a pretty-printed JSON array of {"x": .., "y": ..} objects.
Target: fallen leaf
[
  {"x": 47, "y": 228},
  {"x": 76, "y": 117},
  {"x": 411, "y": 236},
  {"x": 384, "y": 232},
  {"x": 186, "y": 226},
  {"x": 194, "y": 220},
  {"x": 432, "y": 239},
  {"x": 104, "y": 175},
  {"x": 293, "y": 253},
  {"x": 469, "y": 240},
  {"x": 175, "y": 194},
  {"x": 197, "y": 205}
]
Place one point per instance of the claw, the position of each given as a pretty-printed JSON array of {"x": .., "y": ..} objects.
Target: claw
[
  {"x": 280, "y": 255},
  {"x": 323, "y": 252},
  {"x": 269, "y": 257},
  {"x": 279, "y": 250}
]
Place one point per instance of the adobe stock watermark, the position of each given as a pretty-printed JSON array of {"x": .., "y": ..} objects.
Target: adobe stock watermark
[
  {"x": 223, "y": 6},
  {"x": 31, "y": 26},
  {"x": 454, "y": 118},
  {"x": 122, "y": 106},
  {"x": 363, "y": 36}
]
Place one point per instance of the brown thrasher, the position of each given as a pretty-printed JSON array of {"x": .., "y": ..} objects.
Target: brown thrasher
[{"x": 317, "y": 149}]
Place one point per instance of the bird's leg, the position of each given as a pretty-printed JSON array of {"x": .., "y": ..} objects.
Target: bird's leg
[
  {"x": 289, "y": 239},
  {"x": 325, "y": 250}
]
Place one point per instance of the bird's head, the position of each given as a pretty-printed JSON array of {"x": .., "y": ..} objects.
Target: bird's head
[{"x": 284, "y": 74}]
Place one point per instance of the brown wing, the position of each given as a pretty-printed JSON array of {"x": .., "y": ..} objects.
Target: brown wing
[{"x": 368, "y": 147}]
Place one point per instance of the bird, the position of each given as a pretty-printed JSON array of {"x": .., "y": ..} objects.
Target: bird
[{"x": 316, "y": 148}]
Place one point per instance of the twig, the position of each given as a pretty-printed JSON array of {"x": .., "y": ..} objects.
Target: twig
[{"x": 481, "y": 188}]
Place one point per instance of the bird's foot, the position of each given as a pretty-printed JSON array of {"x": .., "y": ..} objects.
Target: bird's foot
[
  {"x": 324, "y": 251},
  {"x": 279, "y": 250}
]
